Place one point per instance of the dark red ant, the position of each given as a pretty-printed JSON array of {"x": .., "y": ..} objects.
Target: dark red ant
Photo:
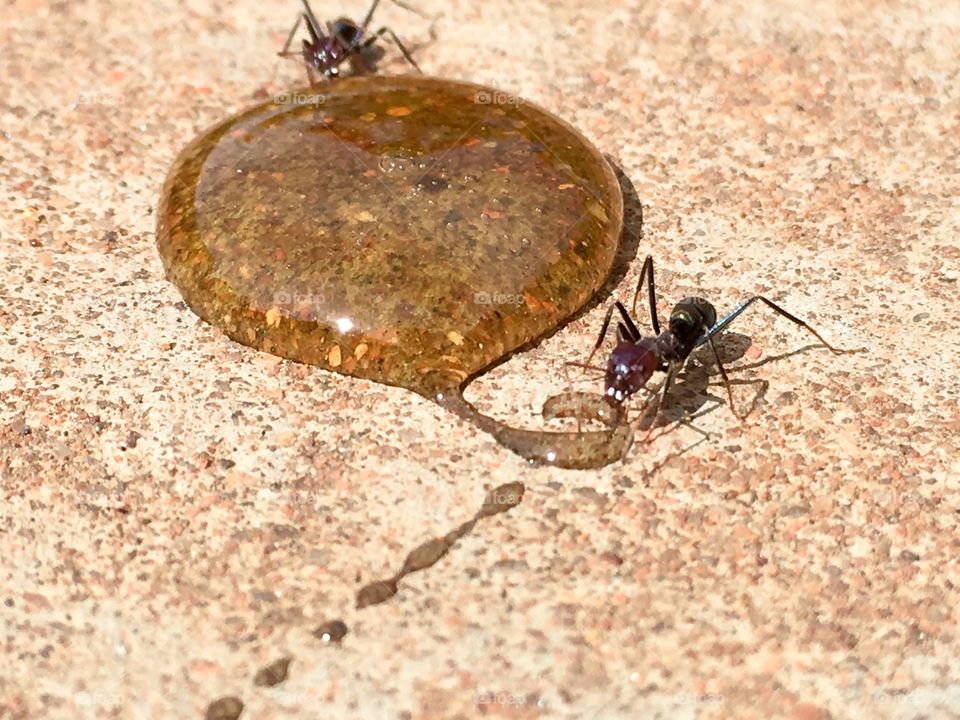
[
  {"x": 324, "y": 52},
  {"x": 693, "y": 322}
]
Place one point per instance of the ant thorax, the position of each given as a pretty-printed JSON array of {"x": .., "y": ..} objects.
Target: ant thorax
[{"x": 670, "y": 345}]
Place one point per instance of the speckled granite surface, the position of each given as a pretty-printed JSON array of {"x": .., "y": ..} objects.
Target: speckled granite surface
[{"x": 179, "y": 511}]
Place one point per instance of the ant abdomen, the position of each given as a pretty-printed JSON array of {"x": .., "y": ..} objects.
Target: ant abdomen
[
  {"x": 698, "y": 310},
  {"x": 346, "y": 31}
]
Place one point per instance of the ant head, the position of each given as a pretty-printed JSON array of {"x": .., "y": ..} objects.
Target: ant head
[
  {"x": 628, "y": 369},
  {"x": 319, "y": 56}
]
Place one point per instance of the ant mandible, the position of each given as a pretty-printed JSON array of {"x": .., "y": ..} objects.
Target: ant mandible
[
  {"x": 693, "y": 322},
  {"x": 324, "y": 52}
]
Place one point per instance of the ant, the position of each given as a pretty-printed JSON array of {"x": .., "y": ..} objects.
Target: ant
[
  {"x": 324, "y": 52},
  {"x": 693, "y": 322}
]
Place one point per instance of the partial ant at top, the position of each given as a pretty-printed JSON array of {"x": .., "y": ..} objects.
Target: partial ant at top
[
  {"x": 342, "y": 40},
  {"x": 693, "y": 322}
]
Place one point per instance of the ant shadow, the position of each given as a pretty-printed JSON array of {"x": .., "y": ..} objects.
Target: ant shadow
[
  {"x": 367, "y": 60},
  {"x": 691, "y": 389}
]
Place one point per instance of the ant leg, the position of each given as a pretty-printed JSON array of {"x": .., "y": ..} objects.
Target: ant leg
[
  {"x": 660, "y": 396},
  {"x": 645, "y": 408},
  {"x": 647, "y": 271},
  {"x": 398, "y": 3},
  {"x": 313, "y": 25},
  {"x": 373, "y": 7},
  {"x": 393, "y": 36},
  {"x": 408, "y": 8},
  {"x": 726, "y": 380},
  {"x": 603, "y": 333},
  {"x": 311, "y": 77},
  {"x": 286, "y": 45},
  {"x": 667, "y": 384},
  {"x": 584, "y": 366},
  {"x": 780, "y": 311},
  {"x": 633, "y": 335}
]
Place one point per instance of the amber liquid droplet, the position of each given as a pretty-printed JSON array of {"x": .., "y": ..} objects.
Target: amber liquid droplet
[{"x": 415, "y": 248}]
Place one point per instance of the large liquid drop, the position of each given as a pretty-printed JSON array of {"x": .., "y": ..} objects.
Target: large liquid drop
[{"x": 408, "y": 230}]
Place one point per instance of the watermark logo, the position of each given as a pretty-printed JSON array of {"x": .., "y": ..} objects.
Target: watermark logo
[
  {"x": 97, "y": 97},
  {"x": 292, "y": 299},
  {"x": 689, "y": 698},
  {"x": 486, "y": 298},
  {"x": 496, "y": 97},
  {"x": 922, "y": 697},
  {"x": 505, "y": 497},
  {"x": 298, "y": 98},
  {"x": 98, "y": 699},
  {"x": 488, "y": 697},
  {"x": 289, "y": 497}
]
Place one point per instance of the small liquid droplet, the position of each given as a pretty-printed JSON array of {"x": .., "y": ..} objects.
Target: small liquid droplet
[
  {"x": 225, "y": 708},
  {"x": 272, "y": 674},
  {"x": 331, "y": 632},
  {"x": 376, "y": 593}
]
